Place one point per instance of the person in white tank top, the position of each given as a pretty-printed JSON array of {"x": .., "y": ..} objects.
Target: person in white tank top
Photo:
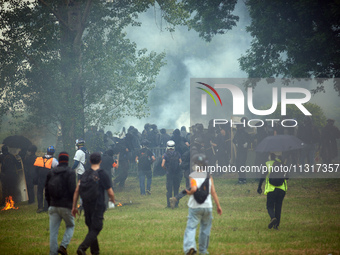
[{"x": 199, "y": 213}]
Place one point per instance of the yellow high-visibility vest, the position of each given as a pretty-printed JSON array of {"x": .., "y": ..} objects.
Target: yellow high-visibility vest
[{"x": 269, "y": 187}]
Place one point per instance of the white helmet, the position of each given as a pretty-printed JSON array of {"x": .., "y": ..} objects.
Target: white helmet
[{"x": 170, "y": 145}]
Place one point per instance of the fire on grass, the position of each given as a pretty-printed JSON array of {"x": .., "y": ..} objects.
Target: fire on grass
[{"x": 9, "y": 204}]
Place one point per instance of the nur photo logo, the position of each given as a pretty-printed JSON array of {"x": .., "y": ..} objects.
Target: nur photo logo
[{"x": 204, "y": 96}]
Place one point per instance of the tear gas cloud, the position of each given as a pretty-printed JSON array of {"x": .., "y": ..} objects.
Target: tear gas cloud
[{"x": 188, "y": 56}]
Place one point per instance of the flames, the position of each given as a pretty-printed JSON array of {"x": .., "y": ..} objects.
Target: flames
[{"x": 9, "y": 204}]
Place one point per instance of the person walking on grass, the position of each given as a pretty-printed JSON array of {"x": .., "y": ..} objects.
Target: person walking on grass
[
  {"x": 145, "y": 158},
  {"x": 59, "y": 188},
  {"x": 91, "y": 188},
  {"x": 43, "y": 167},
  {"x": 275, "y": 189},
  {"x": 171, "y": 163},
  {"x": 199, "y": 213}
]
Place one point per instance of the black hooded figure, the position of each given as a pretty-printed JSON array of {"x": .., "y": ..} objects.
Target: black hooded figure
[{"x": 9, "y": 176}]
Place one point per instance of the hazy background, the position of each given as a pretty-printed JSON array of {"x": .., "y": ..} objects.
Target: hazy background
[{"x": 189, "y": 56}]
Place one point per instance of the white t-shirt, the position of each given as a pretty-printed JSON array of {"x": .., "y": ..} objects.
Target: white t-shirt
[
  {"x": 80, "y": 156},
  {"x": 199, "y": 178}
]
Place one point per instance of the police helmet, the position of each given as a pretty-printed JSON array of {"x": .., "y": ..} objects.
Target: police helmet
[
  {"x": 80, "y": 142},
  {"x": 170, "y": 145},
  {"x": 50, "y": 150}
]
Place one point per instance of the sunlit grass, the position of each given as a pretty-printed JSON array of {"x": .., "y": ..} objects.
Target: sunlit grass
[{"x": 309, "y": 225}]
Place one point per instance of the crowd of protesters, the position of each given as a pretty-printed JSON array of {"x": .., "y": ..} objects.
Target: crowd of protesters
[
  {"x": 155, "y": 151},
  {"x": 221, "y": 144}
]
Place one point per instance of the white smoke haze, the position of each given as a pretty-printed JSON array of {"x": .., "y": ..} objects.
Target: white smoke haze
[{"x": 189, "y": 56}]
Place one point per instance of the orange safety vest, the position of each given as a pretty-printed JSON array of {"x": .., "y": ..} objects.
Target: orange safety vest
[{"x": 43, "y": 162}]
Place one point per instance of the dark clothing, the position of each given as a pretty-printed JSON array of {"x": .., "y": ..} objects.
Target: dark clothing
[
  {"x": 180, "y": 145},
  {"x": 144, "y": 169},
  {"x": 223, "y": 150},
  {"x": 104, "y": 184},
  {"x": 94, "y": 221},
  {"x": 164, "y": 138},
  {"x": 172, "y": 161},
  {"x": 124, "y": 165},
  {"x": 122, "y": 173},
  {"x": 144, "y": 159},
  {"x": 30, "y": 175},
  {"x": 173, "y": 174},
  {"x": 241, "y": 140},
  {"x": 69, "y": 186},
  {"x": 274, "y": 204},
  {"x": 173, "y": 181},
  {"x": 107, "y": 165},
  {"x": 94, "y": 214},
  {"x": 42, "y": 175},
  {"x": 9, "y": 177},
  {"x": 185, "y": 167}
]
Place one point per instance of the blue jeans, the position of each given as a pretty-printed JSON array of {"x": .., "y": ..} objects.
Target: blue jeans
[
  {"x": 56, "y": 215},
  {"x": 202, "y": 216},
  {"x": 142, "y": 175}
]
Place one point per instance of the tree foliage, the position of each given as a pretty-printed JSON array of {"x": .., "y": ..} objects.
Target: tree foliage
[
  {"x": 318, "y": 116},
  {"x": 294, "y": 39},
  {"x": 70, "y": 63}
]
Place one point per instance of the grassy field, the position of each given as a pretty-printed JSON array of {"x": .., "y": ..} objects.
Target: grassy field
[{"x": 310, "y": 222}]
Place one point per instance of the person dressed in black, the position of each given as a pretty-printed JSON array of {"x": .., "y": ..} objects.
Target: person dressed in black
[
  {"x": 124, "y": 163},
  {"x": 181, "y": 142},
  {"x": 164, "y": 138},
  {"x": 144, "y": 160},
  {"x": 94, "y": 210},
  {"x": 223, "y": 146},
  {"x": 241, "y": 140},
  {"x": 9, "y": 176},
  {"x": 59, "y": 189},
  {"x": 185, "y": 167},
  {"x": 30, "y": 173},
  {"x": 171, "y": 163},
  {"x": 108, "y": 163}
]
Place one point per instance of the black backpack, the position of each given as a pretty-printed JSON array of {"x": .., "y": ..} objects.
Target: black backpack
[
  {"x": 144, "y": 160},
  {"x": 277, "y": 176},
  {"x": 56, "y": 185},
  {"x": 202, "y": 192},
  {"x": 89, "y": 186},
  {"x": 172, "y": 162},
  {"x": 86, "y": 164}
]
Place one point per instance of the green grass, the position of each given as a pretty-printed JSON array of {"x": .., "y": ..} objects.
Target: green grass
[{"x": 310, "y": 222}]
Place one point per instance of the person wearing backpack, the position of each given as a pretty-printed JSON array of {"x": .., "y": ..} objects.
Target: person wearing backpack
[
  {"x": 91, "y": 188},
  {"x": 59, "y": 189},
  {"x": 275, "y": 189},
  {"x": 43, "y": 167},
  {"x": 144, "y": 159},
  {"x": 201, "y": 190},
  {"x": 171, "y": 163}
]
